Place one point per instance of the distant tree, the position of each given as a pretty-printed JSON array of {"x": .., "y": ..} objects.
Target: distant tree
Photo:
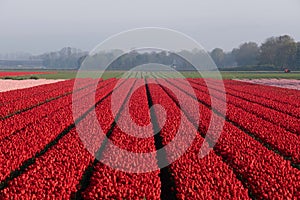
[
  {"x": 66, "y": 58},
  {"x": 247, "y": 54},
  {"x": 285, "y": 51},
  {"x": 297, "y": 57},
  {"x": 218, "y": 57},
  {"x": 80, "y": 61},
  {"x": 229, "y": 60},
  {"x": 268, "y": 51},
  {"x": 278, "y": 51}
]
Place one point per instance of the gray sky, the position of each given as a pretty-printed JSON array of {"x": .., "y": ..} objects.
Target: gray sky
[{"x": 38, "y": 26}]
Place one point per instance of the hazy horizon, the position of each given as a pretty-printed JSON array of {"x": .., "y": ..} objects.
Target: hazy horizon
[{"x": 42, "y": 26}]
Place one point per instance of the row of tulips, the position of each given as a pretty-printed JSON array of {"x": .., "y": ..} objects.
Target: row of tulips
[
  {"x": 113, "y": 182},
  {"x": 19, "y": 94},
  {"x": 194, "y": 177},
  {"x": 57, "y": 174},
  {"x": 3, "y": 74},
  {"x": 289, "y": 96},
  {"x": 272, "y": 135},
  {"x": 256, "y": 96},
  {"x": 237, "y": 167},
  {"x": 22, "y": 146},
  {"x": 237, "y": 99},
  {"x": 265, "y": 173},
  {"x": 54, "y": 175},
  {"x": 9, "y": 127},
  {"x": 286, "y": 97},
  {"x": 59, "y": 90}
]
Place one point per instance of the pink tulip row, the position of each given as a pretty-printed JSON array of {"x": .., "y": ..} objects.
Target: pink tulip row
[
  {"x": 20, "y": 94},
  {"x": 269, "y": 92},
  {"x": 59, "y": 90},
  {"x": 9, "y": 126},
  {"x": 287, "y": 97}
]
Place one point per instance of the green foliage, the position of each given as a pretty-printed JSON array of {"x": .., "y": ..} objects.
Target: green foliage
[
  {"x": 15, "y": 77},
  {"x": 247, "y": 54},
  {"x": 252, "y": 68},
  {"x": 132, "y": 59},
  {"x": 297, "y": 57},
  {"x": 279, "y": 51},
  {"x": 244, "y": 73},
  {"x": 218, "y": 56},
  {"x": 34, "y": 77}
]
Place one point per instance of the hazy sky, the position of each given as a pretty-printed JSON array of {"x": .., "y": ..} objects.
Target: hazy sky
[{"x": 37, "y": 26}]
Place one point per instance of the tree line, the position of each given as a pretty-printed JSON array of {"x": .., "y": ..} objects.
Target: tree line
[
  {"x": 126, "y": 61},
  {"x": 275, "y": 53}
]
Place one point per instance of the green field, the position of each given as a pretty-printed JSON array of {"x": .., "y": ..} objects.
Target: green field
[{"x": 110, "y": 74}]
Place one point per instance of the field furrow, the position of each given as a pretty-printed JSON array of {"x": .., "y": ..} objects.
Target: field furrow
[
  {"x": 10, "y": 109},
  {"x": 194, "y": 178},
  {"x": 265, "y": 173},
  {"x": 109, "y": 183},
  {"x": 146, "y": 136},
  {"x": 284, "y": 106},
  {"x": 60, "y": 158},
  {"x": 36, "y": 114},
  {"x": 272, "y": 136},
  {"x": 22, "y": 146}
]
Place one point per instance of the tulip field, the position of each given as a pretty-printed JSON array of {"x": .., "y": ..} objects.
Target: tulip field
[
  {"x": 257, "y": 155},
  {"x": 19, "y": 73}
]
